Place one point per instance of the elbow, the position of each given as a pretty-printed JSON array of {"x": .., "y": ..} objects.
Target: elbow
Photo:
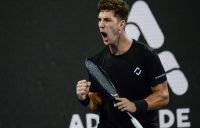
[{"x": 165, "y": 98}]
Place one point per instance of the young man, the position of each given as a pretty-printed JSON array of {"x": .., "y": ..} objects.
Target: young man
[{"x": 134, "y": 69}]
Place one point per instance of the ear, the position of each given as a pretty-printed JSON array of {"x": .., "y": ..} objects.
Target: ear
[{"x": 122, "y": 25}]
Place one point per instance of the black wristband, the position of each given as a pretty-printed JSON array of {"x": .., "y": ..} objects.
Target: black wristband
[
  {"x": 86, "y": 101},
  {"x": 141, "y": 105}
]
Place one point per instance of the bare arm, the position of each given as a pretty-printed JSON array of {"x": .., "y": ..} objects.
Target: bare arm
[
  {"x": 95, "y": 101},
  {"x": 159, "y": 96}
]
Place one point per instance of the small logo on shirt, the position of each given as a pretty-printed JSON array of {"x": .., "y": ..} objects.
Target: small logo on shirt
[
  {"x": 160, "y": 76},
  {"x": 137, "y": 71}
]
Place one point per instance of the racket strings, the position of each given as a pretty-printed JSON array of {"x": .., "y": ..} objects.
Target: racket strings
[{"x": 99, "y": 74}]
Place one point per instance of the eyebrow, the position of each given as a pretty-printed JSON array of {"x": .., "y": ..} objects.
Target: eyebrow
[{"x": 108, "y": 18}]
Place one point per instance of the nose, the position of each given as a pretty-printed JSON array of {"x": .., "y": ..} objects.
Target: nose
[{"x": 101, "y": 24}]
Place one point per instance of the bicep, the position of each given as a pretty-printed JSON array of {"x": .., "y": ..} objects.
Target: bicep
[{"x": 162, "y": 87}]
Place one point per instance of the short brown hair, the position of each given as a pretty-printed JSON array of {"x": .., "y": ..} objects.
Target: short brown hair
[{"x": 120, "y": 7}]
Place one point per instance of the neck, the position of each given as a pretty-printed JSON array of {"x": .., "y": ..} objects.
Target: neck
[{"x": 121, "y": 46}]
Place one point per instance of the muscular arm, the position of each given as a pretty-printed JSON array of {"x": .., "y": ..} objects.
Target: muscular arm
[
  {"x": 159, "y": 96},
  {"x": 95, "y": 101}
]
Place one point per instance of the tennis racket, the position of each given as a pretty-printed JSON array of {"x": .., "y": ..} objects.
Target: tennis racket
[{"x": 98, "y": 73}]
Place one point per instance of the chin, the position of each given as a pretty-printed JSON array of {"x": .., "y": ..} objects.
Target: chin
[{"x": 106, "y": 43}]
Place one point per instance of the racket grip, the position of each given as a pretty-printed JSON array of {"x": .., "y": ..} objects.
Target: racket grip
[{"x": 134, "y": 121}]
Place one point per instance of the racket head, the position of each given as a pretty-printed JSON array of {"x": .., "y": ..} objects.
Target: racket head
[{"x": 101, "y": 78}]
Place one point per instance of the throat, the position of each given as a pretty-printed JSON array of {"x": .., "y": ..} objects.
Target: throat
[
  {"x": 116, "y": 51},
  {"x": 121, "y": 48}
]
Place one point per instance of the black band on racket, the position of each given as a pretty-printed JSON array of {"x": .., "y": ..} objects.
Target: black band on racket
[
  {"x": 141, "y": 105},
  {"x": 86, "y": 101}
]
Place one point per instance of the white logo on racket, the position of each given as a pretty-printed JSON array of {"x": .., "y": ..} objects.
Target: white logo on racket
[{"x": 142, "y": 21}]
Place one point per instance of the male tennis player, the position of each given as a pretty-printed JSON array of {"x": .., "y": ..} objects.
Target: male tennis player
[{"x": 134, "y": 69}]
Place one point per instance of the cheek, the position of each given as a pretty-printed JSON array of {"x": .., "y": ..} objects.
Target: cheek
[{"x": 114, "y": 30}]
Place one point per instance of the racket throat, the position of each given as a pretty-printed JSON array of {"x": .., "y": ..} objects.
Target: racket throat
[{"x": 115, "y": 95}]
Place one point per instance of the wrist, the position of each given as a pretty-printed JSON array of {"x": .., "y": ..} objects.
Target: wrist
[
  {"x": 86, "y": 101},
  {"x": 141, "y": 105}
]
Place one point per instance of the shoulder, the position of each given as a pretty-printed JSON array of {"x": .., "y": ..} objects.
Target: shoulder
[{"x": 143, "y": 47}]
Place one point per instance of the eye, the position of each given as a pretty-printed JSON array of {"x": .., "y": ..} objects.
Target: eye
[
  {"x": 99, "y": 19},
  {"x": 107, "y": 19}
]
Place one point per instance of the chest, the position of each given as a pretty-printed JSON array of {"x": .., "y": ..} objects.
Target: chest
[{"x": 128, "y": 75}]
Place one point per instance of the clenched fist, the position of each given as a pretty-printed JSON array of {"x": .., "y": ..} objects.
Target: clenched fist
[{"x": 82, "y": 89}]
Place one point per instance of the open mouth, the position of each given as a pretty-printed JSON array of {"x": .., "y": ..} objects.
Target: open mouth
[{"x": 104, "y": 34}]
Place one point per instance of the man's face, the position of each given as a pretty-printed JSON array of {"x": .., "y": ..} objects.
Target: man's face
[{"x": 109, "y": 26}]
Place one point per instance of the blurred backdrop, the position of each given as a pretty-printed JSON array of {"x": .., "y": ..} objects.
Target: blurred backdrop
[{"x": 43, "y": 44}]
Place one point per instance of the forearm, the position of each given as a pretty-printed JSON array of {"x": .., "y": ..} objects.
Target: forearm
[{"x": 95, "y": 101}]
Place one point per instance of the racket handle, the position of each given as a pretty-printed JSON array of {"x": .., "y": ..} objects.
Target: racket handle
[{"x": 135, "y": 122}]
